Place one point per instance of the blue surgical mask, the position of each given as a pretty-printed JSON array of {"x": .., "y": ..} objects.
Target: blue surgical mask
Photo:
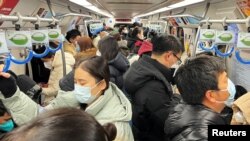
[
  {"x": 83, "y": 94},
  {"x": 232, "y": 91},
  {"x": 7, "y": 126},
  {"x": 77, "y": 47}
]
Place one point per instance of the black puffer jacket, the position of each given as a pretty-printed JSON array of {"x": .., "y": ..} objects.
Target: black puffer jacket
[
  {"x": 117, "y": 67},
  {"x": 148, "y": 84},
  {"x": 190, "y": 122}
]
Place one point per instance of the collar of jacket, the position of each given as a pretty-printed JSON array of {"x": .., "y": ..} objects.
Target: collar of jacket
[{"x": 165, "y": 71}]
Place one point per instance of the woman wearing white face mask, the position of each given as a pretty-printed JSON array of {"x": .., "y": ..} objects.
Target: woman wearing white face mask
[
  {"x": 93, "y": 92},
  {"x": 54, "y": 63}
]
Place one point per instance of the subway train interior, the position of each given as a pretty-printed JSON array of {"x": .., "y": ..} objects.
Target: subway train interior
[{"x": 130, "y": 70}]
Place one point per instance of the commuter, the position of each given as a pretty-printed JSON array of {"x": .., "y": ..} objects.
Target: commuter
[
  {"x": 136, "y": 36},
  {"x": 92, "y": 92},
  {"x": 70, "y": 45},
  {"x": 148, "y": 82},
  {"x": 123, "y": 30},
  {"x": 118, "y": 63},
  {"x": 55, "y": 64},
  {"x": 63, "y": 124},
  {"x": 134, "y": 44},
  {"x": 99, "y": 37},
  {"x": 122, "y": 43},
  {"x": 86, "y": 48},
  {"x": 205, "y": 90}
]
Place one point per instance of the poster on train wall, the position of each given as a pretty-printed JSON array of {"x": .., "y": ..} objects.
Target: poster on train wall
[
  {"x": 6, "y": 6},
  {"x": 244, "y": 6}
]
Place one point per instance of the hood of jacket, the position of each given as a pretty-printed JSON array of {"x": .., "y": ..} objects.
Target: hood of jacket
[
  {"x": 144, "y": 70},
  {"x": 87, "y": 53},
  {"x": 120, "y": 62},
  {"x": 185, "y": 116},
  {"x": 69, "y": 48},
  {"x": 112, "y": 106},
  {"x": 242, "y": 104},
  {"x": 67, "y": 82}
]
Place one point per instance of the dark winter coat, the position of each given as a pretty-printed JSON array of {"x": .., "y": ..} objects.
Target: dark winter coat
[
  {"x": 190, "y": 122},
  {"x": 148, "y": 84}
]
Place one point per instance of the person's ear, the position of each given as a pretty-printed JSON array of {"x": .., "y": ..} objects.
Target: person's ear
[
  {"x": 103, "y": 84},
  {"x": 210, "y": 96},
  {"x": 167, "y": 55}
]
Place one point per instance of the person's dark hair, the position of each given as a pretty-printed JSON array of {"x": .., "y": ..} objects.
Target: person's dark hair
[
  {"x": 63, "y": 124},
  {"x": 136, "y": 24},
  {"x": 205, "y": 53},
  {"x": 50, "y": 54},
  {"x": 136, "y": 31},
  {"x": 108, "y": 47},
  {"x": 165, "y": 43},
  {"x": 197, "y": 76},
  {"x": 72, "y": 34},
  {"x": 121, "y": 28},
  {"x": 97, "y": 67}
]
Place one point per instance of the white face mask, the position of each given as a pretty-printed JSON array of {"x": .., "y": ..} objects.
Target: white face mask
[
  {"x": 125, "y": 31},
  {"x": 83, "y": 93},
  {"x": 48, "y": 64},
  {"x": 98, "y": 53}
]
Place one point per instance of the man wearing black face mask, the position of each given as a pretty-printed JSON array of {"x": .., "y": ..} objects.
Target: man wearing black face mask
[{"x": 148, "y": 82}]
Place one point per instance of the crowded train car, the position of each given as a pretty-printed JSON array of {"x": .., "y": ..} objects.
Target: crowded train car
[{"x": 124, "y": 70}]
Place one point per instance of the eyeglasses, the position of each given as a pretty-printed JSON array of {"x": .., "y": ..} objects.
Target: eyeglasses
[{"x": 179, "y": 59}]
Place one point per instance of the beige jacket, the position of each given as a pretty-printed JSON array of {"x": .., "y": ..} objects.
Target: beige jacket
[
  {"x": 242, "y": 105},
  {"x": 56, "y": 74}
]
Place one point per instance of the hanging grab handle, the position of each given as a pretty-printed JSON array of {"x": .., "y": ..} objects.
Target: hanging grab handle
[
  {"x": 55, "y": 49},
  {"x": 36, "y": 55},
  {"x": 26, "y": 60},
  {"x": 201, "y": 45},
  {"x": 228, "y": 53},
  {"x": 7, "y": 64},
  {"x": 237, "y": 54}
]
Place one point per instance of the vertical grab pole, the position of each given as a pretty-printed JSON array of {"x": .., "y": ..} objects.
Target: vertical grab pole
[
  {"x": 196, "y": 42},
  {"x": 63, "y": 59}
]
